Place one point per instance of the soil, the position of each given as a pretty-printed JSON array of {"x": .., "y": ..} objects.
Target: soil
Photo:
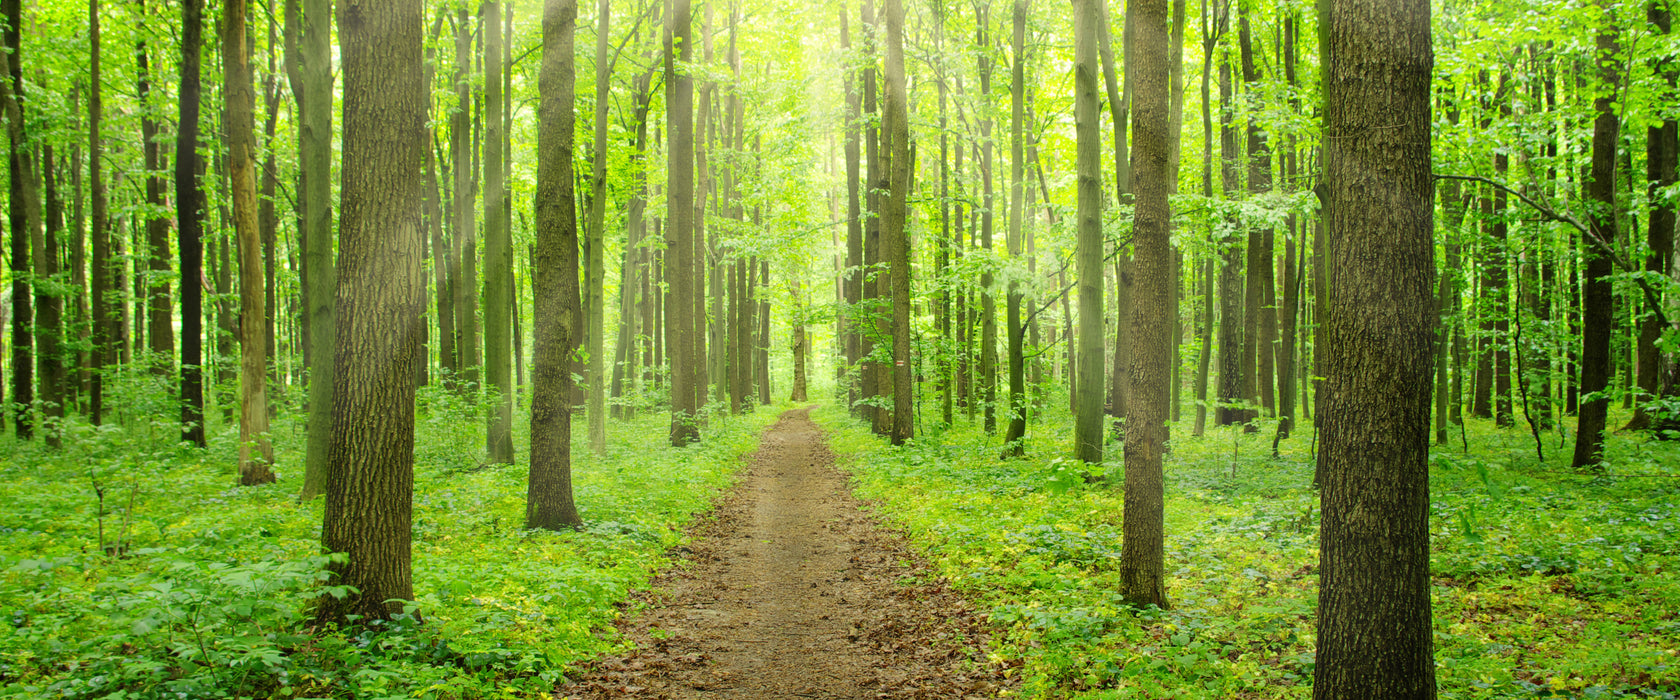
[{"x": 790, "y": 589}]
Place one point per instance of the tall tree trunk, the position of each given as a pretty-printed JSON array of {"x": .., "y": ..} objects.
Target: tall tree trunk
[
  {"x": 555, "y": 320},
  {"x": 25, "y": 217},
  {"x": 1088, "y": 414},
  {"x": 1598, "y": 321},
  {"x": 1213, "y": 26},
  {"x": 1235, "y": 376},
  {"x": 498, "y": 254},
  {"x": 679, "y": 243},
  {"x": 1014, "y": 435},
  {"x": 1662, "y": 142},
  {"x": 160, "y": 319},
  {"x": 320, "y": 275},
  {"x": 851, "y": 320},
  {"x": 988, "y": 307},
  {"x": 1374, "y": 635},
  {"x": 1142, "y": 581},
  {"x": 893, "y": 222},
  {"x": 104, "y": 328},
  {"x": 597, "y": 238},
  {"x": 49, "y": 304},
  {"x": 461, "y": 199},
  {"x": 189, "y": 224},
  {"x": 1259, "y": 316},
  {"x": 381, "y": 301},
  {"x": 256, "y": 453}
]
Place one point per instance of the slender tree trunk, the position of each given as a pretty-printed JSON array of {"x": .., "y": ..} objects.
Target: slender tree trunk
[
  {"x": 893, "y": 221},
  {"x": 1142, "y": 580},
  {"x": 988, "y": 307},
  {"x": 159, "y": 314},
  {"x": 189, "y": 224},
  {"x": 498, "y": 253},
  {"x": 1088, "y": 414},
  {"x": 1598, "y": 322},
  {"x": 49, "y": 304},
  {"x": 1235, "y": 376},
  {"x": 25, "y": 217},
  {"x": 679, "y": 243},
  {"x": 465, "y": 224},
  {"x": 1015, "y": 434},
  {"x": 1662, "y": 142},
  {"x": 1259, "y": 319},
  {"x": 103, "y": 330},
  {"x": 256, "y": 453},
  {"x": 851, "y": 320},
  {"x": 597, "y": 239},
  {"x": 1374, "y": 634},
  {"x": 381, "y": 300}
]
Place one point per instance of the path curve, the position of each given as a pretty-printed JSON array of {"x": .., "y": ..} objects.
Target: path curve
[{"x": 790, "y": 590}]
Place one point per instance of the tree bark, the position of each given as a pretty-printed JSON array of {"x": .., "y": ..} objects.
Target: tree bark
[
  {"x": 104, "y": 330},
  {"x": 465, "y": 188},
  {"x": 1662, "y": 142},
  {"x": 256, "y": 453},
  {"x": 25, "y": 217},
  {"x": 1142, "y": 581},
  {"x": 679, "y": 243},
  {"x": 189, "y": 224},
  {"x": 893, "y": 221},
  {"x": 1088, "y": 414},
  {"x": 1597, "y": 314},
  {"x": 380, "y": 310},
  {"x": 1374, "y": 633},
  {"x": 160, "y": 317},
  {"x": 320, "y": 276},
  {"x": 1015, "y": 433}
]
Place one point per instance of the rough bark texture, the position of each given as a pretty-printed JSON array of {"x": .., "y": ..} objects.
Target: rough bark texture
[
  {"x": 1233, "y": 385},
  {"x": 380, "y": 304},
  {"x": 1088, "y": 413},
  {"x": 189, "y": 224},
  {"x": 1374, "y": 635},
  {"x": 556, "y": 319},
  {"x": 160, "y": 317},
  {"x": 256, "y": 453},
  {"x": 1153, "y": 313},
  {"x": 1597, "y": 315},
  {"x": 1015, "y": 433},
  {"x": 1662, "y": 141}
]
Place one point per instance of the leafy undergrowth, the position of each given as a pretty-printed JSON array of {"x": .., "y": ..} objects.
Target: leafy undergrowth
[
  {"x": 1548, "y": 583},
  {"x": 191, "y": 587}
]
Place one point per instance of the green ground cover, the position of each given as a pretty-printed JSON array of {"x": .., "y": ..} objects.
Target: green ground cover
[
  {"x": 189, "y": 586},
  {"x": 1548, "y": 583}
]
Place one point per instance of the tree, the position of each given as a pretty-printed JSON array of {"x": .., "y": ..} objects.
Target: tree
[
  {"x": 498, "y": 254},
  {"x": 893, "y": 228},
  {"x": 597, "y": 236},
  {"x": 555, "y": 321},
  {"x": 1374, "y": 634},
  {"x": 160, "y": 319},
  {"x": 1087, "y": 426},
  {"x": 25, "y": 217},
  {"x": 679, "y": 245},
  {"x": 380, "y": 302},
  {"x": 189, "y": 225},
  {"x": 1015, "y": 433},
  {"x": 313, "y": 87},
  {"x": 256, "y": 453},
  {"x": 104, "y": 327},
  {"x": 1152, "y": 314},
  {"x": 1598, "y": 321}
]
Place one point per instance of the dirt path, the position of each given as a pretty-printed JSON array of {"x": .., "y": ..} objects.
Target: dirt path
[{"x": 789, "y": 590}]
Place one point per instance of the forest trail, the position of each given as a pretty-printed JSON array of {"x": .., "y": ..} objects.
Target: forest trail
[{"x": 790, "y": 590}]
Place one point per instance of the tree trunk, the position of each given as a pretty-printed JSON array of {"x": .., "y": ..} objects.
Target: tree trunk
[
  {"x": 1374, "y": 634},
  {"x": 49, "y": 304},
  {"x": 381, "y": 299},
  {"x": 256, "y": 454},
  {"x": 25, "y": 217},
  {"x": 1235, "y": 377},
  {"x": 1088, "y": 414},
  {"x": 103, "y": 330},
  {"x": 1142, "y": 581},
  {"x": 893, "y": 221},
  {"x": 679, "y": 243},
  {"x": 1598, "y": 322},
  {"x": 320, "y": 276},
  {"x": 498, "y": 253},
  {"x": 189, "y": 224},
  {"x": 1014, "y": 435},
  {"x": 988, "y": 307},
  {"x": 1662, "y": 141},
  {"x": 160, "y": 318},
  {"x": 466, "y": 228}
]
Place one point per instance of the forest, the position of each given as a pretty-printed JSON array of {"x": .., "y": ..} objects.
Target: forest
[{"x": 839, "y": 348}]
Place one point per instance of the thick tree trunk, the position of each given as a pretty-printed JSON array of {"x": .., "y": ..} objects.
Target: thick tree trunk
[
  {"x": 1142, "y": 580},
  {"x": 380, "y": 310},
  {"x": 256, "y": 453},
  {"x": 893, "y": 222},
  {"x": 1662, "y": 141},
  {"x": 1235, "y": 385},
  {"x": 1088, "y": 413},
  {"x": 1374, "y": 634},
  {"x": 49, "y": 304}
]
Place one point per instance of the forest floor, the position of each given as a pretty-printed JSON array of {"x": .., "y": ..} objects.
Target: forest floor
[{"x": 792, "y": 589}]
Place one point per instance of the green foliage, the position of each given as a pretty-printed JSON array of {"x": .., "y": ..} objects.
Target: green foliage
[
  {"x": 1547, "y": 583},
  {"x": 177, "y": 583}
]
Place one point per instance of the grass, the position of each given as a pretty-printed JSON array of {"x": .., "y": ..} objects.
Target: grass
[
  {"x": 1548, "y": 583},
  {"x": 177, "y": 583}
]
